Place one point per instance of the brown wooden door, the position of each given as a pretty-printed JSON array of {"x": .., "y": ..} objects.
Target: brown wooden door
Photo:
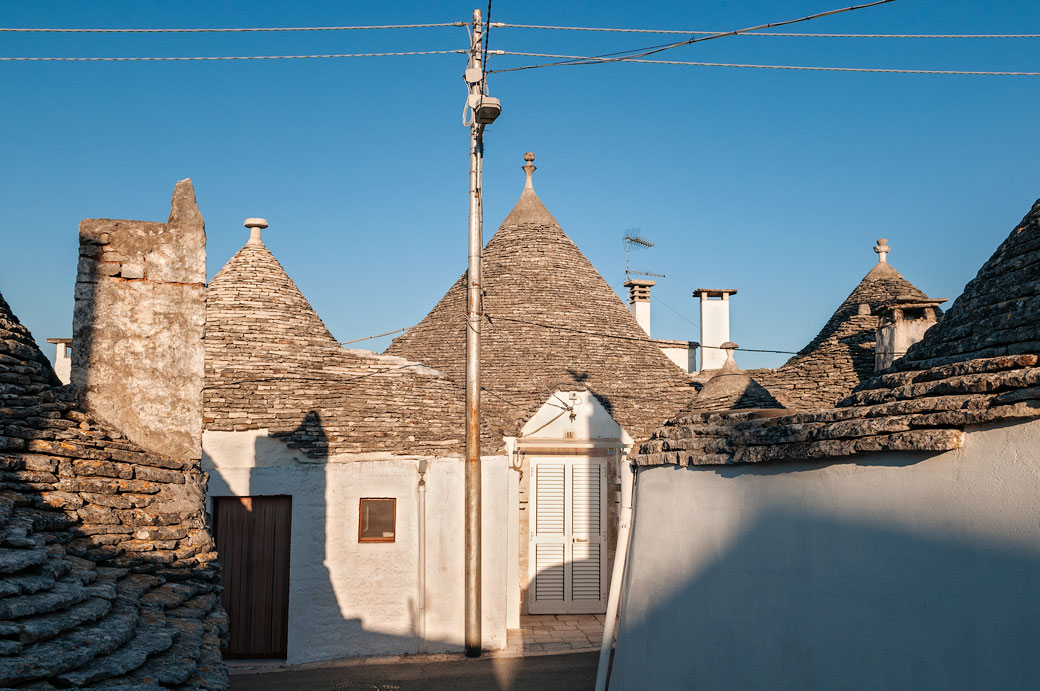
[{"x": 253, "y": 541}]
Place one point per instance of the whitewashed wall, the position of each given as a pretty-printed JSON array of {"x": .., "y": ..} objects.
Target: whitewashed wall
[
  {"x": 887, "y": 572},
  {"x": 348, "y": 599}
]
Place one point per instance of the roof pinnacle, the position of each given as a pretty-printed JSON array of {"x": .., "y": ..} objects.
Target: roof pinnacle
[
  {"x": 255, "y": 225},
  {"x": 529, "y": 168},
  {"x": 882, "y": 249}
]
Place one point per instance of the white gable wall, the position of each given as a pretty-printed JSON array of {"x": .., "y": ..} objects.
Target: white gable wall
[{"x": 590, "y": 420}]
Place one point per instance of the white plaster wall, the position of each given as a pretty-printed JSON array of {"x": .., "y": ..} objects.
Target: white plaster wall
[
  {"x": 63, "y": 363},
  {"x": 641, "y": 311},
  {"x": 889, "y": 572},
  {"x": 714, "y": 331},
  {"x": 348, "y": 599},
  {"x": 686, "y": 358},
  {"x": 893, "y": 340}
]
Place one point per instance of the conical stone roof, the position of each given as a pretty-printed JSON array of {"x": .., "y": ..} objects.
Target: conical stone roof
[
  {"x": 272, "y": 364},
  {"x": 999, "y": 311},
  {"x": 107, "y": 571},
  {"x": 256, "y": 314},
  {"x": 552, "y": 322},
  {"x": 980, "y": 365},
  {"x": 842, "y": 353},
  {"x": 731, "y": 388},
  {"x": 25, "y": 371}
]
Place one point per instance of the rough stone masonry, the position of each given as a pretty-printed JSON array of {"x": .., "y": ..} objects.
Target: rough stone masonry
[
  {"x": 108, "y": 572},
  {"x": 141, "y": 305}
]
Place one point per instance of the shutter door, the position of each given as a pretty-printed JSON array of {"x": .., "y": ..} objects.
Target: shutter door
[
  {"x": 586, "y": 524},
  {"x": 568, "y": 533},
  {"x": 548, "y": 552}
]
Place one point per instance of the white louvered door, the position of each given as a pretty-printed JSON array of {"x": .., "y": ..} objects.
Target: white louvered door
[{"x": 568, "y": 551}]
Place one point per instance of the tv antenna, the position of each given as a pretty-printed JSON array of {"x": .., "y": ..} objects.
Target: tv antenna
[{"x": 633, "y": 237}]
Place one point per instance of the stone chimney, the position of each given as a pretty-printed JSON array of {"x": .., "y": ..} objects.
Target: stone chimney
[
  {"x": 140, "y": 314},
  {"x": 62, "y": 358},
  {"x": 900, "y": 325},
  {"x": 639, "y": 300},
  {"x": 714, "y": 325}
]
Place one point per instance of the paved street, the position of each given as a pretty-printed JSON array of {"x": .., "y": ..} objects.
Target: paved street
[{"x": 570, "y": 672}]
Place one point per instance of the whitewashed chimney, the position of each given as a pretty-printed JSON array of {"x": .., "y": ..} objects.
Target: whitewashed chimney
[
  {"x": 639, "y": 300},
  {"x": 714, "y": 325},
  {"x": 62, "y": 358}
]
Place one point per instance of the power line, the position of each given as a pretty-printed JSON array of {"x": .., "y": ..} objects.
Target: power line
[
  {"x": 770, "y": 67},
  {"x": 757, "y": 33},
  {"x": 651, "y": 50},
  {"x": 686, "y": 32},
  {"x": 231, "y": 57},
  {"x": 369, "y": 338},
  {"x": 641, "y": 339},
  {"x": 227, "y": 30}
]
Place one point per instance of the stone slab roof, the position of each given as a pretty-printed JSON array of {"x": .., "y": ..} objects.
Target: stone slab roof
[
  {"x": 553, "y": 323},
  {"x": 108, "y": 575},
  {"x": 980, "y": 368},
  {"x": 841, "y": 356},
  {"x": 272, "y": 364}
]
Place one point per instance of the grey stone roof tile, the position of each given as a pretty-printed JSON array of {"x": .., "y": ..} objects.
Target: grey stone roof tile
[
  {"x": 272, "y": 364},
  {"x": 979, "y": 365},
  {"x": 72, "y": 609},
  {"x": 553, "y": 322}
]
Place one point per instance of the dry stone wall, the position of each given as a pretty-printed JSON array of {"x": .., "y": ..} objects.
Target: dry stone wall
[{"x": 137, "y": 355}]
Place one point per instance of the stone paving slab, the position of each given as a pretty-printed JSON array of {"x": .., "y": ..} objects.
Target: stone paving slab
[{"x": 553, "y": 633}]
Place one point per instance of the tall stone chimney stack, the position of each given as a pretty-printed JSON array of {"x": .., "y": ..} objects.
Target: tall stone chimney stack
[
  {"x": 639, "y": 300},
  {"x": 138, "y": 323},
  {"x": 714, "y": 325}
]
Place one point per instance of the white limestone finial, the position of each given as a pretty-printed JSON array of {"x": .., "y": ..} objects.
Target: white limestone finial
[
  {"x": 255, "y": 225},
  {"x": 529, "y": 168},
  {"x": 882, "y": 249}
]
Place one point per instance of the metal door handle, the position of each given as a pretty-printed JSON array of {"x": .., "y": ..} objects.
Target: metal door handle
[{"x": 581, "y": 539}]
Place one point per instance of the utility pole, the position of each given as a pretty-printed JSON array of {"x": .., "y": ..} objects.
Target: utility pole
[{"x": 484, "y": 110}]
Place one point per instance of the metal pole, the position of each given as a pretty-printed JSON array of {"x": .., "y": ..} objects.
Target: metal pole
[{"x": 473, "y": 320}]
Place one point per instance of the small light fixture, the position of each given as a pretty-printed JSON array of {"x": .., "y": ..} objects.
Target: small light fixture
[{"x": 487, "y": 110}]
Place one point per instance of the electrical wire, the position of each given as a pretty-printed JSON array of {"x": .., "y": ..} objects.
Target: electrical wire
[
  {"x": 231, "y": 57},
  {"x": 228, "y": 30},
  {"x": 642, "y": 339},
  {"x": 686, "y": 32},
  {"x": 652, "y": 50},
  {"x": 757, "y": 33},
  {"x": 369, "y": 338},
  {"x": 331, "y": 378},
  {"x": 775, "y": 67},
  {"x": 487, "y": 38}
]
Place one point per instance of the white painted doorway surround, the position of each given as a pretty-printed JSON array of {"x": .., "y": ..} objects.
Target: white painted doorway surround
[{"x": 568, "y": 535}]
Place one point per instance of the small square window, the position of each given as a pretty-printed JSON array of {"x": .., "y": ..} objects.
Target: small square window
[{"x": 378, "y": 520}]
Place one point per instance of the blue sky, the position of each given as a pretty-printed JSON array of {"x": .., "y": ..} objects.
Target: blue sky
[{"x": 773, "y": 182}]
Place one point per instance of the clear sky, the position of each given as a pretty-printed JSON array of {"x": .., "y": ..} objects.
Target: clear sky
[{"x": 773, "y": 182}]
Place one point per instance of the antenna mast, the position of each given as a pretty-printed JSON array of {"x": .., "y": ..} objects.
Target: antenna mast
[{"x": 632, "y": 237}]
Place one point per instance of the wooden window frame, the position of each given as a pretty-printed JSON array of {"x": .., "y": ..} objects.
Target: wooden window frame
[{"x": 361, "y": 518}]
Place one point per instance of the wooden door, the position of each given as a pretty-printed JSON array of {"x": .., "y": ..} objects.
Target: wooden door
[
  {"x": 252, "y": 535},
  {"x": 568, "y": 551}
]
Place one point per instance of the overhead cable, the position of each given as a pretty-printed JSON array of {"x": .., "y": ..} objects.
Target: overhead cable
[
  {"x": 756, "y": 33},
  {"x": 231, "y": 57},
  {"x": 227, "y": 30},
  {"x": 777, "y": 67},
  {"x": 369, "y": 338},
  {"x": 651, "y": 50},
  {"x": 621, "y": 337}
]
